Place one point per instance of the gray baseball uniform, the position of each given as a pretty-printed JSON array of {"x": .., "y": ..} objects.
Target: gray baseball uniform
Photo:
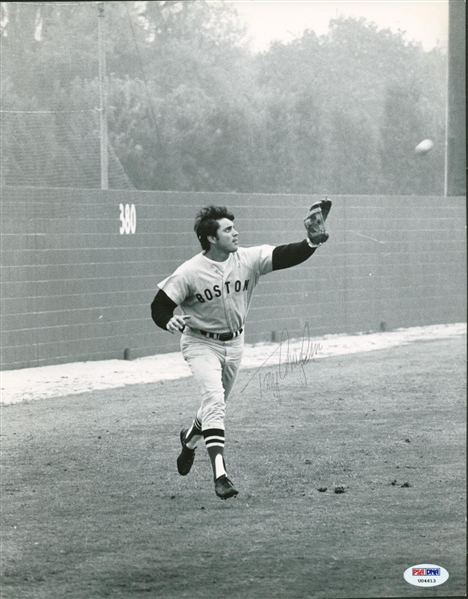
[{"x": 216, "y": 296}]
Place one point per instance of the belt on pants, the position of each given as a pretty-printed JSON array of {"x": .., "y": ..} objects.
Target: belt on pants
[{"x": 221, "y": 336}]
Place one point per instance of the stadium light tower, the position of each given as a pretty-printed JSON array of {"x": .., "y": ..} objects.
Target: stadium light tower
[{"x": 103, "y": 98}]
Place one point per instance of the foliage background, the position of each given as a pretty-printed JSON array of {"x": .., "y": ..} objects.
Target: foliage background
[{"x": 192, "y": 108}]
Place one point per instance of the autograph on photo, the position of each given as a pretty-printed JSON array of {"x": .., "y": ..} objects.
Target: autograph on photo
[{"x": 289, "y": 361}]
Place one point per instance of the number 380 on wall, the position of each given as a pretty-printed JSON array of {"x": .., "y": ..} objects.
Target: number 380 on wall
[{"x": 127, "y": 218}]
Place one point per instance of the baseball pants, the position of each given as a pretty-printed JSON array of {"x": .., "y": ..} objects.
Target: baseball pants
[{"x": 214, "y": 365}]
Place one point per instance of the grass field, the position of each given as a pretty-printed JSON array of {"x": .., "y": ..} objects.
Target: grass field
[{"x": 92, "y": 505}]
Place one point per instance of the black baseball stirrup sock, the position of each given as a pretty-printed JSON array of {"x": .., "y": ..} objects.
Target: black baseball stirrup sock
[
  {"x": 194, "y": 434},
  {"x": 214, "y": 441}
]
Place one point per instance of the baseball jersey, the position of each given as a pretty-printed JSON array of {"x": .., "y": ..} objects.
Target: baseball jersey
[{"x": 217, "y": 296}]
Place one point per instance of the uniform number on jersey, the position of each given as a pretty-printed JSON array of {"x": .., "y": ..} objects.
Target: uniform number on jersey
[{"x": 127, "y": 218}]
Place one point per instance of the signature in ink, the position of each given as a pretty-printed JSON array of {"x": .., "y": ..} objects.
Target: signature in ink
[
  {"x": 291, "y": 360},
  {"x": 270, "y": 381},
  {"x": 288, "y": 362}
]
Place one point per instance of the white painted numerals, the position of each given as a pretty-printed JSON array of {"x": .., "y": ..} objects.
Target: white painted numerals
[{"x": 127, "y": 218}]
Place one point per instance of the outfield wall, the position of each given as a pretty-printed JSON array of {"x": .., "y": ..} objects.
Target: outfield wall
[{"x": 80, "y": 268}]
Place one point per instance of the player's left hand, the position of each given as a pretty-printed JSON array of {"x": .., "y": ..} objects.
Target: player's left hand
[
  {"x": 314, "y": 222},
  {"x": 177, "y": 323}
]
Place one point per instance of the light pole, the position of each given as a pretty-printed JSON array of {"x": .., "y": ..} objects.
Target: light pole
[{"x": 103, "y": 98}]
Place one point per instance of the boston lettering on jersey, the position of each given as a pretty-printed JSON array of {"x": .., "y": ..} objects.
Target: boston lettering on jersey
[{"x": 229, "y": 287}]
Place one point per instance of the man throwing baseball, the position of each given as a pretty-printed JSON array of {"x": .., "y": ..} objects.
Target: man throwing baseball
[{"x": 214, "y": 290}]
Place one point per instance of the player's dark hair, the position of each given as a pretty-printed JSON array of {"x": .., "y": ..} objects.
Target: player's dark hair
[{"x": 207, "y": 223}]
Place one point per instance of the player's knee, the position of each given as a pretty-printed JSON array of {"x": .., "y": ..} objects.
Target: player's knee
[{"x": 213, "y": 415}]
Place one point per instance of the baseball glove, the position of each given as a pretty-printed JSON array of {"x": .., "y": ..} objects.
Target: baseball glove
[{"x": 314, "y": 222}]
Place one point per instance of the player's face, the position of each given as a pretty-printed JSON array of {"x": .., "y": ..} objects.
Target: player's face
[{"x": 226, "y": 239}]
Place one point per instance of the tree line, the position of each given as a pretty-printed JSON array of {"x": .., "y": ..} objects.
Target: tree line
[{"x": 192, "y": 108}]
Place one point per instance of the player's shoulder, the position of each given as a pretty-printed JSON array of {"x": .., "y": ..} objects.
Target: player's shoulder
[
  {"x": 258, "y": 258},
  {"x": 249, "y": 253},
  {"x": 189, "y": 265}
]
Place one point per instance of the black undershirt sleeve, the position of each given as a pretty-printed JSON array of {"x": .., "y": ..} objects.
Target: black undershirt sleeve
[
  {"x": 162, "y": 309},
  {"x": 285, "y": 256}
]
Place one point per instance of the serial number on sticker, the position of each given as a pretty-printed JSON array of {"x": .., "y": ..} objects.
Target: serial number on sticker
[{"x": 427, "y": 580}]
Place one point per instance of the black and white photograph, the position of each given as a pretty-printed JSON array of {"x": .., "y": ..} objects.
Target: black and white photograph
[{"x": 233, "y": 299}]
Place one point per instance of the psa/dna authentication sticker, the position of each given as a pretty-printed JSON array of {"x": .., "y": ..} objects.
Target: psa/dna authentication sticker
[{"x": 426, "y": 575}]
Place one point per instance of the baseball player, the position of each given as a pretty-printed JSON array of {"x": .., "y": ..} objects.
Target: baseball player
[{"x": 214, "y": 290}]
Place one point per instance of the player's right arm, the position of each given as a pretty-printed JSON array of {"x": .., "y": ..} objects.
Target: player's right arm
[{"x": 162, "y": 312}]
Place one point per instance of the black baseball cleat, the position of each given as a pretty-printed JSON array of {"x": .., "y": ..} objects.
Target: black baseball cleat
[
  {"x": 187, "y": 455},
  {"x": 224, "y": 488}
]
